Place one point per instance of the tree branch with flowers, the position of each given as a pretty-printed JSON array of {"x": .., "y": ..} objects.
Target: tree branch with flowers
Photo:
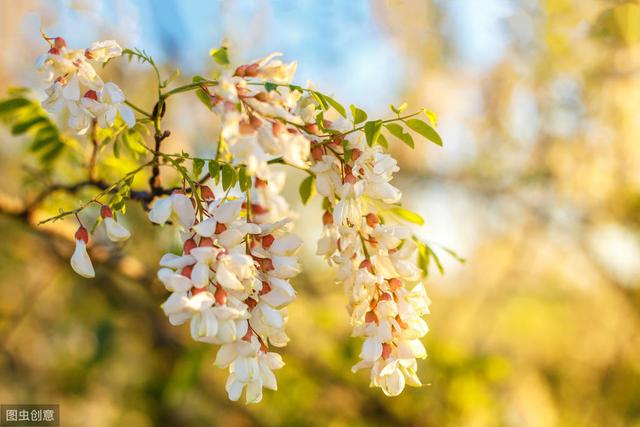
[{"x": 232, "y": 279}]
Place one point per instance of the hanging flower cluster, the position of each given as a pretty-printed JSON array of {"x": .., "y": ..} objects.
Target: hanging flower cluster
[
  {"x": 76, "y": 87},
  {"x": 231, "y": 280}
]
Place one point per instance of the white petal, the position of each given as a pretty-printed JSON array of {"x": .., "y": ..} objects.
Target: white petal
[
  {"x": 116, "y": 232},
  {"x": 71, "y": 90},
  {"x": 205, "y": 228},
  {"x": 230, "y": 238},
  {"x": 200, "y": 275},
  {"x": 254, "y": 392},
  {"x": 127, "y": 115},
  {"x": 228, "y": 211},
  {"x": 271, "y": 316},
  {"x": 184, "y": 209},
  {"x": 161, "y": 211},
  {"x": 80, "y": 261},
  {"x": 371, "y": 349},
  {"x": 226, "y": 355},
  {"x": 177, "y": 262}
]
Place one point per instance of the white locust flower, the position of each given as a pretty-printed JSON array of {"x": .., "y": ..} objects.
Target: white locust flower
[
  {"x": 115, "y": 231},
  {"x": 80, "y": 261},
  {"x": 103, "y": 51},
  {"x": 177, "y": 204}
]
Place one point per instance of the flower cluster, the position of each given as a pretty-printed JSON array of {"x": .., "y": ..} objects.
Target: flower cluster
[
  {"x": 76, "y": 88},
  {"x": 376, "y": 261},
  {"x": 231, "y": 282}
]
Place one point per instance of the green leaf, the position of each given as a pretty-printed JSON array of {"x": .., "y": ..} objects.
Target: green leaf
[
  {"x": 435, "y": 258},
  {"x": 320, "y": 98},
  {"x": 425, "y": 130},
  {"x": 423, "y": 258},
  {"x": 307, "y": 188},
  {"x": 432, "y": 117},
  {"x": 220, "y": 55},
  {"x": 214, "y": 170},
  {"x": 397, "y": 131},
  {"x": 336, "y": 106},
  {"x": 358, "y": 115},
  {"x": 229, "y": 177},
  {"x": 13, "y": 104},
  {"x": 244, "y": 179},
  {"x": 400, "y": 109},
  {"x": 22, "y": 127},
  {"x": 134, "y": 141},
  {"x": 372, "y": 131},
  {"x": 198, "y": 165},
  {"x": 383, "y": 141},
  {"x": 408, "y": 215},
  {"x": 269, "y": 86}
]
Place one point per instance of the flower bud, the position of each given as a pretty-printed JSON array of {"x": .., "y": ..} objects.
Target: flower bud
[
  {"x": 277, "y": 128},
  {"x": 356, "y": 153},
  {"x": 196, "y": 291},
  {"x": 207, "y": 193},
  {"x": 261, "y": 96},
  {"x": 220, "y": 296},
  {"x": 252, "y": 70},
  {"x": 350, "y": 178},
  {"x": 59, "y": 43},
  {"x": 186, "y": 271},
  {"x": 54, "y": 51},
  {"x": 251, "y": 303},
  {"x": 259, "y": 183},
  {"x": 241, "y": 71},
  {"x": 371, "y": 317},
  {"x": 267, "y": 241},
  {"x": 82, "y": 234},
  {"x": 206, "y": 242},
  {"x": 395, "y": 284},
  {"x": 372, "y": 220},
  {"x": 327, "y": 218},
  {"x": 317, "y": 152},
  {"x": 266, "y": 264},
  {"x": 366, "y": 264},
  {"x": 188, "y": 245},
  {"x": 220, "y": 228},
  {"x": 266, "y": 288},
  {"x": 246, "y": 128},
  {"x": 105, "y": 212},
  {"x": 91, "y": 94},
  {"x": 386, "y": 296},
  {"x": 255, "y": 122},
  {"x": 312, "y": 128},
  {"x": 386, "y": 350}
]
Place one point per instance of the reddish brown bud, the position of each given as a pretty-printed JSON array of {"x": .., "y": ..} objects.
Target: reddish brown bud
[
  {"x": 350, "y": 178},
  {"x": 220, "y": 228},
  {"x": 105, "y": 212},
  {"x": 241, "y": 71},
  {"x": 277, "y": 128},
  {"x": 261, "y": 96},
  {"x": 220, "y": 296},
  {"x": 366, "y": 264},
  {"x": 206, "y": 242},
  {"x": 186, "y": 272},
  {"x": 267, "y": 241},
  {"x": 196, "y": 291},
  {"x": 312, "y": 128},
  {"x": 258, "y": 209},
  {"x": 207, "y": 193},
  {"x": 386, "y": 296},
  {"x": 386, "y": 350},
  {"x": 59, "y": 43},
  {"x": 91, "y": 94},
  {"x": 251, "y": 303},
  {"x": 82, "y": 234},
  {"x": 317, "y": 152},
  {"x": 372, "y": 220},
  {"x": 371, "y": 317},
  {"x": 246, "y": 128},
  {"x": 54, "y": 51},
  {"x": 255, "y": 122},
  {"x": 266, "y": 288},
  {"x": 259, "y": 183},
  {"x": 356, "y": 153},
  {"x": 395, "y": 284},
  {"x": 188, "y": 245},
  {"x": 252, "y": 70},
  {"x": 88, "y": 54},
  {"x": 266, "y": 264},
  {"x": 327, "y": 218}
]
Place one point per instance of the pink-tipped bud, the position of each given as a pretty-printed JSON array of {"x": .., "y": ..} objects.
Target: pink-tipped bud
[
  {"x": 371, "y": 317},
  {"x": 186, "y": 271},
  {"x": 54, "y": 51},
  {"x": 206, "y": 242},
  {"x": 252, "y": 70},
  {"x": 220, "y": 296},
  {"x": 91, "y": 94},
  {"x": 267, "y": 241},
  {"x": 105, "y": 212},
  {"x": 266, "y": 288},
  {"x": 241, "y": 71},
  {"x": 260, "y": 183},
  {"x": 350, "y": 178},
  {"x": 327, "y": 218},
  {"x": 395, "y": 284},
  {"x": 386, "y": 350},
  {"x": 246, "y": 128},
  {"x": 261, "y": 96},
  {"x": 255, "y": 122},
  {"x": 207, "y": 193},
  {"x": 188, "y": 245},
  {"x": 59, "y": 43},
  {"x": 312, "y": 128},
  {"x": 372, "y": 220},
  {"x": 220, "y": 228},
  {"x": 88, "y": 54},
  {"x": 366, "y": 264},
  {"x": 356, "y": 153},
  {"x": 386, "y": 296},
  {"x": 82, "y": 234},
  {"x": 277, "y": 128},
  {"x": 317, "y": 152}
]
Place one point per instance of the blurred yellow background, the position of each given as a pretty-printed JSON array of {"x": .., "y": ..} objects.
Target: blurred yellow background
[{"x": 537, "y": 186}]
